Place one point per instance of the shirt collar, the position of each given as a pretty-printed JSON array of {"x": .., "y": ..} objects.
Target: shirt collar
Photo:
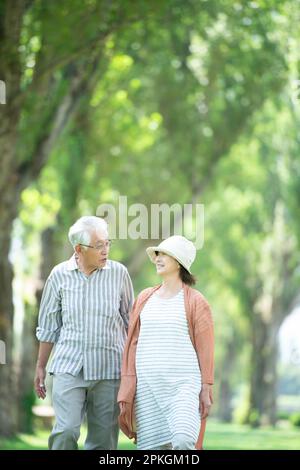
[{"x": 72, "y": 265}]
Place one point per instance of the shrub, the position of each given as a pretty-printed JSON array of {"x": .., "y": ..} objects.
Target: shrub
[{"x": 295, "y": 419}]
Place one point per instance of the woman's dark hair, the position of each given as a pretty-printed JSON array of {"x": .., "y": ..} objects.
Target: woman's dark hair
[{"x": 186, "y": 277}]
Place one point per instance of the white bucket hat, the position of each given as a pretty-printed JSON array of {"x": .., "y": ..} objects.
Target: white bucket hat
[{"x": 180, "y": 248}]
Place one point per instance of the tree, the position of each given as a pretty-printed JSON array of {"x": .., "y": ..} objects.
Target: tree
[
  {"x": 258, "y": 246},
  {"x": 46, "y": 76},
  {"x": 195, "y": 83}
]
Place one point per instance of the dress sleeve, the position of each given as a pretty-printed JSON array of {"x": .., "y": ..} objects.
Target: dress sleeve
[{"x": 204, "y": 339}]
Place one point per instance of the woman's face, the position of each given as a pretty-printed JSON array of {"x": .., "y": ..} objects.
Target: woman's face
[{"x": 165, "y": 264}]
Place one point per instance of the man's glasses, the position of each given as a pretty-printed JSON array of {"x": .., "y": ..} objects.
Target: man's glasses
[{"x": 99, "y": 247}]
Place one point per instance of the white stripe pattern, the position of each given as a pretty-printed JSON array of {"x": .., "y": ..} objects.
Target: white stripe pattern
[
  {"x": 168, "y": 374},
  {"x": 87, "y": 319}
]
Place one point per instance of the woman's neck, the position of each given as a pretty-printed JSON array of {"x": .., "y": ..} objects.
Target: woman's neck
[{"x": 171, "y": 285}]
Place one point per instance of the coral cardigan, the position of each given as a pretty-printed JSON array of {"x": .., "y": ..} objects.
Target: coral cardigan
[{"x": 200, "y": 324}]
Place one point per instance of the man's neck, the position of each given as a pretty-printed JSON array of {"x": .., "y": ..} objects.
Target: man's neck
[{"x": 87, "y": 270}]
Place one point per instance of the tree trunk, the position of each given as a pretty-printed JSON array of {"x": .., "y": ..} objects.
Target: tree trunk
[
  {"x": 10, "y": 71},
  {"x": 13, "y": 180},
  {"x": 263, "y": 392},
  {"x": 26, "y": 398},
  {"x": 225, "y": 394},
  {"x": 277, "y": 271},
  {"x": 29, "y": 347},
  {"x": 8, "y": 418}
]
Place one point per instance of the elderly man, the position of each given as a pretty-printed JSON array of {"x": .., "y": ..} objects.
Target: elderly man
[{"x": 84, "y": 312}]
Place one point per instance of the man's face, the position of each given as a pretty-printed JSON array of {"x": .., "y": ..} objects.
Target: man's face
[{"x": 96, "y": 257}]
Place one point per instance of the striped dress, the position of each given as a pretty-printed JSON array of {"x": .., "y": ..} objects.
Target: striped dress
[{"x": 168, "y": 374}]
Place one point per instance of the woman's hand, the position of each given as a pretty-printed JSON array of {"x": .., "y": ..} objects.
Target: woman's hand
[
  {"x": 122, "y": 406},
  {"x": 206, "y": 400}
]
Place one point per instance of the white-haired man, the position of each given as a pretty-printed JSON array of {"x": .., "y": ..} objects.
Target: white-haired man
[{"x": 84, "y": 311}]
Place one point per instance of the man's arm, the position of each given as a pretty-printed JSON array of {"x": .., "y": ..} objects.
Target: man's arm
[
  {"x": 127, "y": 299},
  {"x": 40, "y": 371},
  {"x": 48, "y": 331}
]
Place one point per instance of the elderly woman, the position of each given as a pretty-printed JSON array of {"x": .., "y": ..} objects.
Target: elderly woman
[{"x": 167, "y": 371}]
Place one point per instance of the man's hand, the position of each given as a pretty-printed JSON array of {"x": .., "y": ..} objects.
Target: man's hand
[
  {"x": 206, "y": 400},
  {"x": 40, "y": 371},
  {"x": 39, "y": 382}
]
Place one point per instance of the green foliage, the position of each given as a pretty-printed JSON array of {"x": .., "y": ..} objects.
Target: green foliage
[
  {"x": 283, "y": 415},
  {"x": 295, "y": 419},
  {"x": 241, "y": 409},
  {"x": 27, "y": 424},
  {"x": 191, "y": 101},
  {"x": 253, "y": 418}
]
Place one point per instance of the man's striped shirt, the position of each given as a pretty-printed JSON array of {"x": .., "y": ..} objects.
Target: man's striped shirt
[{"x": 87, "y": 319}]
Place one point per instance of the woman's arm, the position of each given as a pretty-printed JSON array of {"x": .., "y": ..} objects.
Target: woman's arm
[
  {"x": 204, "y": 344},
  {"x": 206, "y": 400}
]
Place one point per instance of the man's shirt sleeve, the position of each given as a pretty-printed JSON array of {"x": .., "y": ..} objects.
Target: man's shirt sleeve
[
  {"x": 50, "y": 318},
  {"x": 127, "y": 298}
]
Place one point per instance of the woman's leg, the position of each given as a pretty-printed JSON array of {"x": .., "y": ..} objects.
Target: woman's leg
[
  {"x": 182, "y": 441},
  {"x": 162, "y": 447}
]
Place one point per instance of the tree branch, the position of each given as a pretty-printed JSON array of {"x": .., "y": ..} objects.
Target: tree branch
[{"x": 80, "y": 83}]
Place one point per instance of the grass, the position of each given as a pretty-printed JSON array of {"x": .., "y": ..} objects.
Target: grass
[
  {"x": 219, "y": 436},
  {"x": 39, "y": 441}
]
